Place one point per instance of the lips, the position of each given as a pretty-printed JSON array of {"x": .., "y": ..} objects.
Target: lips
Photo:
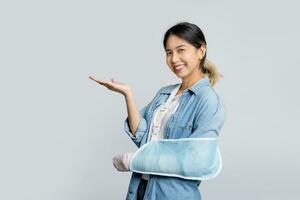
[{"x": 178, "y": 67}]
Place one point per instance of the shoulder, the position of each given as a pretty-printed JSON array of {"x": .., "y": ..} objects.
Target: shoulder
[
  {"x": 208, "y": 100},
  {"x": 208, "y": 94},
  {"x": 168, "y": 88}
]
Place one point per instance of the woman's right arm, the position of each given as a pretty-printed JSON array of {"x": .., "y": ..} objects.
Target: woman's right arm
[{"x": 134, "y": 116}]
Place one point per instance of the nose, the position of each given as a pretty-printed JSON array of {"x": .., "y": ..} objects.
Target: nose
[{"x": 174, "y": 58}]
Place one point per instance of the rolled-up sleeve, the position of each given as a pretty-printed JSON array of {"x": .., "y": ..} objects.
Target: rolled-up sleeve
[
  {"x": 142, "y": 125},
  {"x": 140, "y": 131}
]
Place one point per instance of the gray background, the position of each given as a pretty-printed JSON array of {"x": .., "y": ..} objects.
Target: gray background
[{"x": 59, "y": 130}]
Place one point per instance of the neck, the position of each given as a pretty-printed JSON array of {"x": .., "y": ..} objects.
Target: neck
[{"x": 190, "y": 81}]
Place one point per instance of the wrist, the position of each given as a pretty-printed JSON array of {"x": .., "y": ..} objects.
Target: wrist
[{"x": 128, "y": 94}]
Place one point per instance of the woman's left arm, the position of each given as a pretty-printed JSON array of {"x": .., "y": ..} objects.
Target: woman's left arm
[
  {"x": 196, "y": 157},
  {"x": 210, "y": 118}
]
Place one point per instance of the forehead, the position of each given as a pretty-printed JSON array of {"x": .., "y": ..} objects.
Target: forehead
[{"x": 175, "y": 41}]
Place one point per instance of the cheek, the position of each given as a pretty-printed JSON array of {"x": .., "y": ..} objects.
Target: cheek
[
  {"x": 192, "y": 60},
  {"x": 168, "y": 61}
]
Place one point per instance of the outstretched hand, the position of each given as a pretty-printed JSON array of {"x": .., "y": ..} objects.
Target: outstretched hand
[{"x": 122, "y": 88}]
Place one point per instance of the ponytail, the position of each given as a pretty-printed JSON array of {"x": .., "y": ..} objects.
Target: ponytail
[{"x": 209, "y": 69}]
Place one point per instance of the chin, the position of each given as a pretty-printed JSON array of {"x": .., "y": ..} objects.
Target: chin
[{"x": 180, "y": 76}]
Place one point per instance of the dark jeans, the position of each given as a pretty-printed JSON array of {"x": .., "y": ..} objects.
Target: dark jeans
[{"x": 141, "y": 189}]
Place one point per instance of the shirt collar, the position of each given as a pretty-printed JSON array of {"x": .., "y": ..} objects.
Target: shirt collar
[{"x": 196, "y": 87}]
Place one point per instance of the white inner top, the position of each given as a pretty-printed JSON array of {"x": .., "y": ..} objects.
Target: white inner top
[{"x": 160, "y": 118}]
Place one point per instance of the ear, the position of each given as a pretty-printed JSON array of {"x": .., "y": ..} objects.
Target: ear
[{"x": 201, "y": 51}]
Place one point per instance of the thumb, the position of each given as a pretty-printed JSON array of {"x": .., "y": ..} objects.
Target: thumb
[{"x": 113, "y": 80}]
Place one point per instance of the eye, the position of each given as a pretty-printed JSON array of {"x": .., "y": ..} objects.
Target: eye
[{"x": 181, "y": 50}]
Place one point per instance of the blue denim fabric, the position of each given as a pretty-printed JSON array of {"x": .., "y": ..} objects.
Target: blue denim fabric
[{"x": 200, "y": 114}]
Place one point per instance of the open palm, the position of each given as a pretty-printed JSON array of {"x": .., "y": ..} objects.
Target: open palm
[{"x": 122, "y": 88}]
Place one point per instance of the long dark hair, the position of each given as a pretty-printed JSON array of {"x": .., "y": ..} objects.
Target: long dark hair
[{"x": 194, "y": 35}]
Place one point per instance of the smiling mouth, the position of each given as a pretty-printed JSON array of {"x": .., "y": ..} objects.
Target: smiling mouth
[{"x": 178, "y": 68}]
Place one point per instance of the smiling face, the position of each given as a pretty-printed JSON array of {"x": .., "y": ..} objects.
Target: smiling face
[{"x": 183, "y": 58}]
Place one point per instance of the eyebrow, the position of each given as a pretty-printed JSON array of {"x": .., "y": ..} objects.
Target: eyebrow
[{"x": 176, "y": 47}]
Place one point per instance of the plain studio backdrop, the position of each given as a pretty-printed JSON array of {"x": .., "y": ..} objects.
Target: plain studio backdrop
[{"x": 59, "y": 129}]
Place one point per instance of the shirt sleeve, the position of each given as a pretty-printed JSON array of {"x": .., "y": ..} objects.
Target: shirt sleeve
[
  {"x": 141, "y": 128},
  {"x": 210, "y": 118},
  {"x": 142, "y": 125}
]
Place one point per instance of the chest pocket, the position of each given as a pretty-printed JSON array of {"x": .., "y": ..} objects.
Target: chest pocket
[{"x": 184, "y": 129}]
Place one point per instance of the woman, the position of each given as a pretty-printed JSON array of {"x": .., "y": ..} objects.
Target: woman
[{"x": 193, "y": 110}]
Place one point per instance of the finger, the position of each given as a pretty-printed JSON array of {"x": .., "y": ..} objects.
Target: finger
[
  {"x": 109, "y": 85},
  {"x": 117, "y": 82},
  {"x": 99, "y": 81},
  {"x": 93, "y": 78},
  {"x": 113, "y": 80}
]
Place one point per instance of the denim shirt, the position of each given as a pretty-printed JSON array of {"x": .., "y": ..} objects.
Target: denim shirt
[{"x": 200, "y": 114}]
